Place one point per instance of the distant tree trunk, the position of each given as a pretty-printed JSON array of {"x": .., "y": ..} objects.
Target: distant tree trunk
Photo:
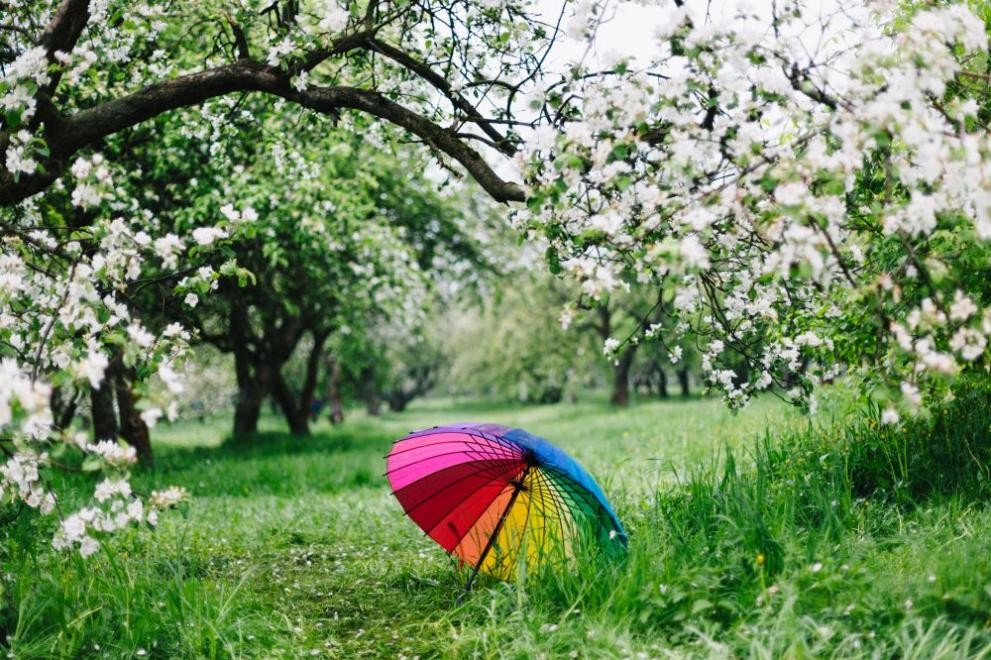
[
  {"x": 103, "y": 411},
  {"x": 369, "y": 392},
  {"x": 257, "y": 360},
  {"x": 251, "y": 390},
  {"x": 63, "y": 407},
  {"x": 334, "y": 391},
  {"x": 662, "y": 383},
  {"x": 621, "y": 377},
  {"x": 297, "y": 418},
  {"x": 417, "y": 382},
  {"x": 132, "y": 428},
  {"x": 683, "y": 381},
  {"x": 252, "y": 387},
  {"x": 398, "y": 400},
  {"x": 296, "y": 408}
]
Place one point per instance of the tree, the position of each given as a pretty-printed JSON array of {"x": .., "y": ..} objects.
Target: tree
[
  {"x": 623, "y": 314},
  {"x": 330, "y": 249},
  {"x": 817, "y": 206},
  {"x": 515, "y": 347},
  {"x": 813, "y": 208},
  {"x": 320, "y": 55}
]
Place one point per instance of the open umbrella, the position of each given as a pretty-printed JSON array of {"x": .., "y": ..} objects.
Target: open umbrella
[{"x": 497, "y": 497}]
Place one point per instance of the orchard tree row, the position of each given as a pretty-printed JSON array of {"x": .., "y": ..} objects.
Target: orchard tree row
[{"x": 798, "y": 193}]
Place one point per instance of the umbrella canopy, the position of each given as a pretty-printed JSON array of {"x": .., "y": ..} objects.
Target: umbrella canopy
[{"x": 497, "y": 497}]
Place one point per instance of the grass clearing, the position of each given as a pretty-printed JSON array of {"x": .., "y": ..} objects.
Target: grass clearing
[{"x": 295, "y": 548}]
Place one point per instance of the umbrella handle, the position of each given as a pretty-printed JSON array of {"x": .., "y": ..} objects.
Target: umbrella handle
[{"x": 517, "y": 487}]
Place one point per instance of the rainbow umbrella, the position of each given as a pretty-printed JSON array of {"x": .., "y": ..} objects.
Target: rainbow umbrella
[{"x": 498, "y": 498}]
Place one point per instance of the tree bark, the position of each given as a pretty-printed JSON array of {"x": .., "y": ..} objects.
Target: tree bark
[
  {"x": 132, "y": 428},
  {"x": 246, "y": 413},
  {"x": 63, "y": 406},
  {"x": 662, "y": 383},
  {"x": 369, "y": 392},
  {"x": 684, "y": 382},
  {"x": 103, "y": 411},
  {"x": 297, "y": 416},
  {"x": 334, "y": 392},
  {"x": 66, "y": 135},
  {"x": 296, "y": 408},
  {"x": 621, "y": 377}
]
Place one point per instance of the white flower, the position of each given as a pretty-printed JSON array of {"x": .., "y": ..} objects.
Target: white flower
[
  {"x": 693, "y": 252},
  {"x": 969, "y": 342},
  {"x": 300, "y": 82},
  {"x": 93, "y": 367},
  {"x": 168, "y": 248},
  {"x": 962, "y": 308},
  {"x": 140, "y": 336},
  {"x": 151, "y": 416},
  {"x": 207, "y": 235},
  {"x": 229, "y": 212},
  {"x": 171, "y": 379},
  {"x": 911, "y": 394},
  {"x": 162, "y": 499},
  {"x": 88, "y": 546},
  {"x": 191, "y": 299},
  {"x": 889, "y": 416},
  {"x": 335, "y": 17}
]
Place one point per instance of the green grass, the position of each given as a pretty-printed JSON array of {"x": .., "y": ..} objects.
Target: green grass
[{"x": 751, "y": 535}]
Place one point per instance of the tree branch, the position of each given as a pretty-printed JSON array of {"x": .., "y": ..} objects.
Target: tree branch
[
  {"x": 66, "y": 135},
  {"x": 443, "y": 85},
  {"x": 62, "y": 33}
]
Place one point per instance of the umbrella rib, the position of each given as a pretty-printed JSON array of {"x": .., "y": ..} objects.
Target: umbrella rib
[
  {"x": 498, "y": 528},
  {"x": 486, "y": 446},
  {"x": 566, "y": 487},
  {"x": 466, "y": 452},
  {"x": 540, "y": 498},
  {"x": 568, "y": 484},
  {"x": 482, "y": 513},
  {"x": 526, "y": 522},
  {"x": 561, "y": 486},
  {"x": 562, "y": 508},
  {"x": 456, "y": 481}
]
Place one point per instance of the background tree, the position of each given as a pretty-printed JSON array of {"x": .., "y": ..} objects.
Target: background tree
[
  {"x": 515, "y": 347},
  {"x": 344, "y": 245}
]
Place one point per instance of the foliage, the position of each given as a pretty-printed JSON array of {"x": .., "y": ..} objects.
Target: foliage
[
  {"x": 514, "y": 348},
  {"x": 806, "y": 186}
]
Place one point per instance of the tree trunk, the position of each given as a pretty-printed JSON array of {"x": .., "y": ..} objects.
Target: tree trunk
[
  {"x": 297, "y": 416},
  {"x": 369, "y": 392},
  {"x": 683, "y": 381},
  {"x": 63, "y": 407},
  {"x": 398, "y": 400},
  {"x": 296, "y": 409},
  {"x": 246, "y": 413},
  {"x": 253, "y": 385},
  {"x": 662, "y": 383},
  {"x": 334, "y": 392},
  {"x": 621, "y": 377},
  {"x": 132, "y": 428},
  {"x": 103, "y": 411}
]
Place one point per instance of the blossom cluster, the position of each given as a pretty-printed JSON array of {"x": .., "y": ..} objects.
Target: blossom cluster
[{"x": 801, "y": 180}]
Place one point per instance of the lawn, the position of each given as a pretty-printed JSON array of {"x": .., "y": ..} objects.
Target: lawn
[{"x": 295, "y": 548}]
